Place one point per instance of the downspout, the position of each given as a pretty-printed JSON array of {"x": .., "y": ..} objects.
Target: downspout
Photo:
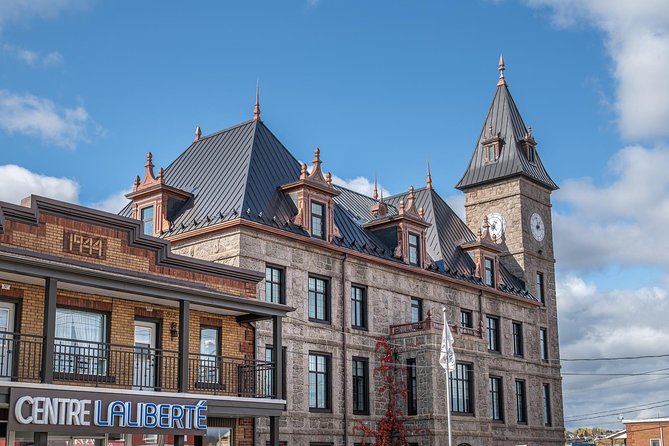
[
  {"x": 481, "y": 327},
  {"x": 343, "y": 342}
]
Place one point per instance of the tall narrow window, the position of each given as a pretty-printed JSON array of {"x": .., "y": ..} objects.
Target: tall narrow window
[
  {"x": 540, "y": 287},
  {"x": 414, "y": 249},
  {"x": 274, "y": 284},
  {"x": 517, "y": 339},
  {"x": 319, "y": 300},
  {"x": 466, "y": 319},
  {"x": 360, "y": 386},
  {"x": 496, "y": 400},
  {"x": 543, "y": 344},
  {"x": 416, "y": 309},
  {"x": 492, "y": 328},
  {"x": 546, "y": 397},
  {"x": 489, "y": 271},
  {"x": 209, "y": 355},
  {"x": 319, "y": 382},
  {"x": 146, "y": 215},
  {"x": 317, "y": 220},
  {"x": 412, "y": 387},
  {"x": 490, "y": 152},
  {"x": 79, "y": 345},
  {"x": 358, "y": 307},
  {"x": 462, "y": 388},
  {"x": 521, "y": 408},
  {"x": 531, "y": 153}
]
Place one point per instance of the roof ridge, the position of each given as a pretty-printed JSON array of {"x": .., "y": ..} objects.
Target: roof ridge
[
  {"x": 227, "y": 129},
  {"x": 254, "y": 131}
]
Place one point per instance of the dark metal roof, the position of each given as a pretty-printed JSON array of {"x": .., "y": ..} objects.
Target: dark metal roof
[{"x": 506, "y": 121}]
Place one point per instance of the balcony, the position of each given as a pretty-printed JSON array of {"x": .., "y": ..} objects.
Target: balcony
[
  {"x": 429, "y": 324},
  {"x": 130, "y": 367}
]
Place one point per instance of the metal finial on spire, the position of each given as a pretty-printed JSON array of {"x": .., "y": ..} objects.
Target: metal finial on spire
[
  {"x": 429, "y": 177},
  {"x": 501, "y": 67},
  {"x": 256, "y": 108},
  {"x": 375, "y": 193},
  {"x": 198, "y": 134}
]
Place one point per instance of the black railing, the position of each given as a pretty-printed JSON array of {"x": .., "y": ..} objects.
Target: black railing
[
  {"x": 20, "y": 356},
  {"x": 223, "y": 375}
]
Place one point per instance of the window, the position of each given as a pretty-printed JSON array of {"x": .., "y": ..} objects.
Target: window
[
  {"x": 209, "y": 352},
  {"x": 414, "y": 250},
  {"x": 517, "y": 339},
  {"x": 540, "y": 287},
  {"x": 531, "y": 153},
  {"x": 360, "y": 386},
  {"x": 319, "y": 305},
  {"x": 496, "y": 399},
  {"x": 416, "y": 309},
  {"x": 546, "y": 396},
  {"x": 319, "y": 382},
  {"x": 543, "y": 344},
  {"x": 269, "y": 374},
  {"x": 358, "y": 307},
  {"x": 146, "y": 215},
  {"x": 490, "y": 152},
  {"x": 462, "y": 387},
  {"x": 412, "y": 387},
  {"x": 655, "y": 442},
  {"x": 318, "y": 220},
  {"x": 489, "y": 269},
  {"x": 79, "y": 345},
  {"x": 492, "y": 325},
  {"x": 274, "y": 284},
  {"x": 521, "y": 408},
  {"x": 466, "y": 319}
]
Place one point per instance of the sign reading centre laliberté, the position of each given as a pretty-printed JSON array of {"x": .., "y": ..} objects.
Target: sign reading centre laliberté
[{"x": 36, "y": 410}]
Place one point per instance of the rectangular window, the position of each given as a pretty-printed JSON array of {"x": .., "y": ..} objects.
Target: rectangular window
[
  {"x": 358, "y": 307},
  {"x": 462, "y": 388},
  {"x": 268, "y": 376},
  {"x": 274, "y": 284},
  {"x": 318, "y": 220},
  {"x": 416, "y": 309},
  {"x": 79, "y": 346},
  {"x": 319, "y": 382},
  {"x": 466, "y": 319},
  {"x": 540, "y": 288},
  {"x": 543, "y": 344},
  {"x": 360, "y": 386},
  {"x": 492, "y": 328},
  {"x": 655, "y": 442},
  {"x": 489, "y": 270},
  {"x": 531, "y": 155},
  {"x": 210, "y": 370},
  {"x": 496, "y": 399},
  {"x": 490, "y": 152},
  {"x": 319, "y": 300},
  {"x": 521, "y": 408},
  {"x": 546, "y": 397},
  {"x": 412, "y": 387},
  {"x": 517, "y": 339},
  {"x": 146, "y": 215},
  {"x": 414, "y": 249}
]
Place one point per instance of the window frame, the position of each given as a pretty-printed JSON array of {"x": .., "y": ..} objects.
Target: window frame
[
  {"x": 355, "y": 380},
  {"x": 518, "y": 341},
  {"x": 492, "y": 334},
  {"x": 415, "y": 247},
  {"x": 470, "y": 317},
  {"x": 152, "y": 221},
  {"x": 326, "y": 299},
  {"x": 540, "y": 287},
  {"x": 104, "y": 344},
  {"x": 419, "y": 308},
  {"x": 543, "y": 344},
  {"x": 282, "y": 283},
  {"x": 284, "y": 381},
  {"x": 362, "y": 301},
  {"x": 321, "y": 218},
  {"x": 546, "y": 404},
  {"x": 412, "y": 387},
  {"x": 462, "y": 382},
  {"x": 496, "y": 394},
  {"x": 521, "y": 401},
  {"x": 489, "y": 271},
  {"x": 328, "y": 381},
  {"x": 217, "y": 368}
]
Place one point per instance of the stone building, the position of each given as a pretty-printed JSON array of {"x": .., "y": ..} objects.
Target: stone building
[
  {"x": 108, "y": 338},
  {"x": 360, "y": 268}
]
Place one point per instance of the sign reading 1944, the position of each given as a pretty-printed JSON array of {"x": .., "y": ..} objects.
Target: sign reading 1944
[{"x": 85, "y": 245}]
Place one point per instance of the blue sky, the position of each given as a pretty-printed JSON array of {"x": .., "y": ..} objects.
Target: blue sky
[{"x": 87, "y": 88}]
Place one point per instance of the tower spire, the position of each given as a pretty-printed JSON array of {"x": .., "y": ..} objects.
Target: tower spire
[
  {"x": 429, "y": 177},
  {"x": 375, "y": 194},
  {"x": 501, "y": 67},
  {"x": 256, "y": 108}
]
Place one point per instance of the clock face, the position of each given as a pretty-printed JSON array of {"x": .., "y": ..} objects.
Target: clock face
[
  {"x": 497, "y": 225},
  {"x": 537, "y": 225}
]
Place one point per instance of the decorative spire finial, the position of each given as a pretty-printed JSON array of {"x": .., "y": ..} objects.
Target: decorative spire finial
[
  {"x": 410, "y": 198},
  {"x": 256, "y": 108},
  {"x": 401, "y": 212},
  {"x": 198, "y": 134},
  {"x": 375, "y": 193},
  {"x": 136, "y": 182},
  {"x": 328, "y": 179},
  {"x": 303, "y": 171},
  {"x": 429, "y": 177},
  {"x": 501, "y": 67}
]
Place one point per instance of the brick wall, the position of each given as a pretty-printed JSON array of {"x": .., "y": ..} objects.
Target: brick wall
[{"x": 640, "y": 434}]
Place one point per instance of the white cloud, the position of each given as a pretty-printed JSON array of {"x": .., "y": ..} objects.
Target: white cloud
[
  {"x": 457, "y": 203},
  {"x": 20, "y": 11},
  {"x": 17, "y": 182},
  {"x": 361, "y": 185},
  {"x": 34, "y": 116},
  {"x": 637, "y": 39},
  {"x": 33, "y": 58},
  {"x": 113, "y": 203}
]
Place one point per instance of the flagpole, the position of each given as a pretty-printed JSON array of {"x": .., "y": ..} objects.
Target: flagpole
[{"x": 448, "y": 391}]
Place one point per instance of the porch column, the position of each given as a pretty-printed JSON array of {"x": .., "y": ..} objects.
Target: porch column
[
  {"x": 49, "y": 329},
  {"x": 184, "y": 318},
  {"x": 277, "y": 378}
]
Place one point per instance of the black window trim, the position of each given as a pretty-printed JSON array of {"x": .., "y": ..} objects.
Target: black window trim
[
  {"x": 328, "y": 298},
  {"x": 420, "y": 309},
  {"x": 321, "y": 217},
  {"x": 328, "y": 382},
  {"x": 365, "y": 378},
  {"x": 498, "y": 323},
  {"x": 500, "y": 398},
  {"x": 490, "y": 283},
  {"x": 412, "y": 397},
  {"x": 518, "y": 339},
  {"x": 364, "y": 309},
  {"x": 469, "y": 369},
  {"x": 521, "y": 409},
  {"x": 282, "y": 284},
  {"x": 417, "y": 246}
]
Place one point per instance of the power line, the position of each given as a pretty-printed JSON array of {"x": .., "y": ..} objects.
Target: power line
[
  {"x": 617, "y": 411},
  {"x": 620, "y": 358}
]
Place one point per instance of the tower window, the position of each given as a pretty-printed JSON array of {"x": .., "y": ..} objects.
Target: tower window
[
  {"x": 414, "y": 250},
  {"x": 531, "y": 153},
  {"x": 489, "y": 269},
  {"x": 540, "y": 288},
  {"x": 318, "y": 220},
  {"x": 490, "y": 151}
]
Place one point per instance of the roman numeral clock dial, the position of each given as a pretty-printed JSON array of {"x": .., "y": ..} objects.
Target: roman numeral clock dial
[{"x": 537, "y": 225}]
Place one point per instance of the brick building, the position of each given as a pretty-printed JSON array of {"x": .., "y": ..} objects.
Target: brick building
[
  {"x": 108, "y": 338},
  {"x": 647, "y": 432},
  {"x": 359, "y": 268}
]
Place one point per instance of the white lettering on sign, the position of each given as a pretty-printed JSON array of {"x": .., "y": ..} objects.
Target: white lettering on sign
[{"x": 76, "y": 412}]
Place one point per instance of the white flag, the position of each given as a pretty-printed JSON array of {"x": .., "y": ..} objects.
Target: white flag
[{"x": 447, "y": 357}]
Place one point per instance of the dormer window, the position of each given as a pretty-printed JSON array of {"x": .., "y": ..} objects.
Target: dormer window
[
  {"x": 489, "y": 271},
  {"x": 414, "y": 249},
  {"x": 531, "y": 153},
  {"x": 147, "y": 219},
  {"x": 490, "y": 152},
  {"x": 318, "y": 220}
]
